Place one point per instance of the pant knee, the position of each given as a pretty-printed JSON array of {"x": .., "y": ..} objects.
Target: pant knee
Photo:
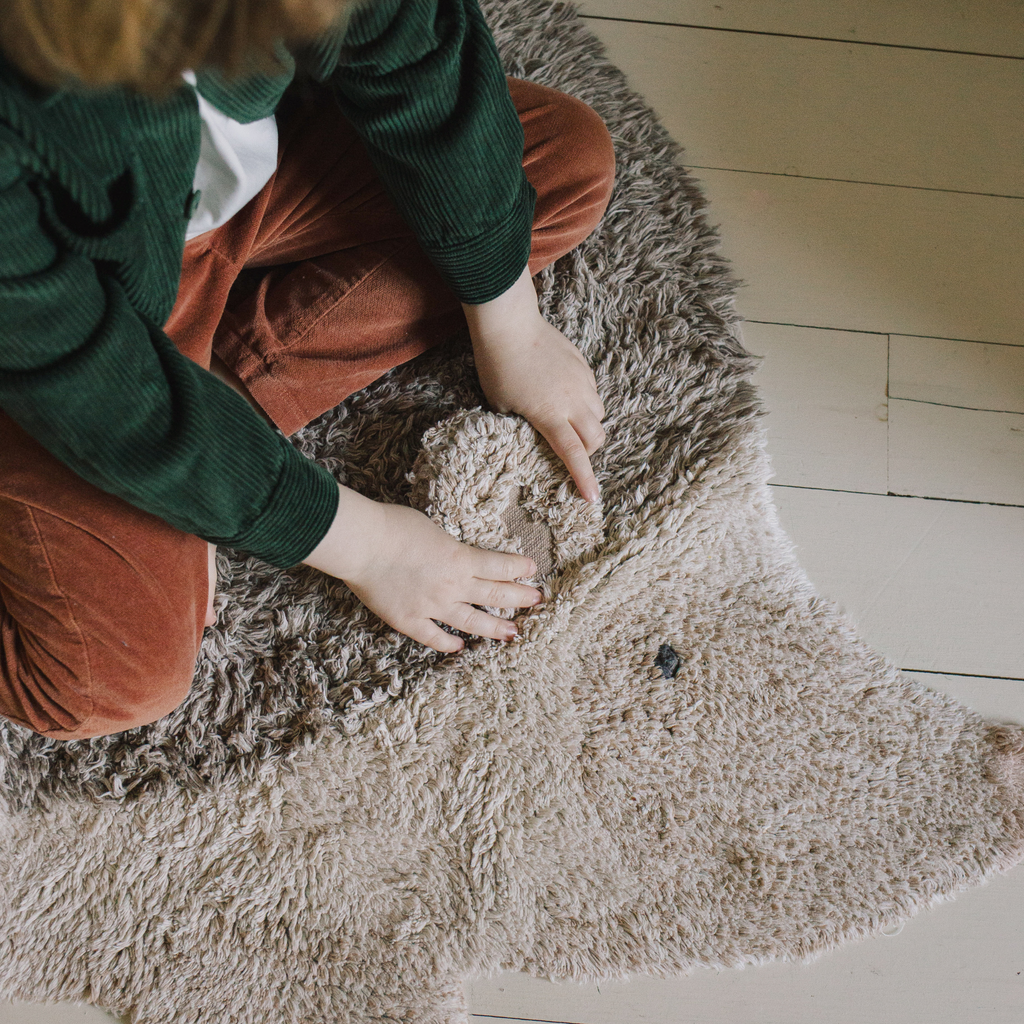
[
  {"x": 47, "y": 695},
  {"x": 95, "y": 640},
  {"x": 569, "y": 158},
  {"x": 119, "y": 709},
  {"x": 592, "y": 160}
]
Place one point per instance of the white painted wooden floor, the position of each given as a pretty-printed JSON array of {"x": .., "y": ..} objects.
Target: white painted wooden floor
[{"x": 865, "y": 160}]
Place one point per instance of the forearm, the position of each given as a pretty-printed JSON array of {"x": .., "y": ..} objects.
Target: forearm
[{"x": 424, "y": 86}]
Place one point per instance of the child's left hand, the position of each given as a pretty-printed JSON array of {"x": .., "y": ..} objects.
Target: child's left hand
[{"x": 528, "y": 366}]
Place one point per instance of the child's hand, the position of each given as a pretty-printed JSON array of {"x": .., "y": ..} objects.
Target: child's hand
[
  {"x": 526, "y": 365},
  {"x": 409, "y": 571}
]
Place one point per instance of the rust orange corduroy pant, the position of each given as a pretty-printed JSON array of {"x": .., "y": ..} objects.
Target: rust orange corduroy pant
[{"x": 102, "y": 605}]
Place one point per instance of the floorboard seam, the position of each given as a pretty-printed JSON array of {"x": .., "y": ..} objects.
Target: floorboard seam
[
  {"x": 949, "y": 405},
  {"x": 797, "y": 35},
  {"x": 962, "y": 675},
  {"x": 892, "y": 334},
  {"x": 857, "y": 181},
  {"x": 893, "y": 494}
]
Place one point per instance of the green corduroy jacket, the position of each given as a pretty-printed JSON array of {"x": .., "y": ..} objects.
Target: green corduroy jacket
[{"x": 95, "y": 196}]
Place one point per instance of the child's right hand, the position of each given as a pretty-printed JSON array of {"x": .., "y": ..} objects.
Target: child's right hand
[{"x": 409, "y": 571}]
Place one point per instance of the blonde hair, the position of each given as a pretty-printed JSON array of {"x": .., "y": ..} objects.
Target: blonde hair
[{"x": 146, "y": 44}]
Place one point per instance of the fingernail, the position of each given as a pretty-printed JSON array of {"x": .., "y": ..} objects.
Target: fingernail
[{"x": 510, "y": 634}]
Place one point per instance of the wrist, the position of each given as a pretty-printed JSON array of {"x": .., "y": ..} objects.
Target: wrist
[
  {"x": 352, "y": 538},
  {"x": 515, "y": 307}
]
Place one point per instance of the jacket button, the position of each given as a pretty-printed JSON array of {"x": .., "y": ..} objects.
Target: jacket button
[{"x": 192, "y": 203}]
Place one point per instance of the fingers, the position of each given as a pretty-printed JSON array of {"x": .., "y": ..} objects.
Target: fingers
[
  {"x": 432, "y": 635},
  {"x": 498, "y": 565},
  {"x": 463, "y": 617},
  {"x": 571, "y": 449},
  {"x": 496, "y": 593},
  {"x": 590, "y": 432},
  {"x": 504, "y": 595},
  {"x": 489, "y": 585},
  {"x": 480, "y": 623}
]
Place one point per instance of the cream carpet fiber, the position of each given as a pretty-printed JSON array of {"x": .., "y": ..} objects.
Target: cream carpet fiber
[{"x": 689, "y": 759}]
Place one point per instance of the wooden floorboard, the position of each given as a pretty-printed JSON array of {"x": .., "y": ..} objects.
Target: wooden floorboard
[
  {"x": 827, "y": 406},
  {"x": 965, "y": 454},
  {"x": 872, "y": 257},
  {"x": 826, "y": 110},
  {"x": 968, "y": 376},
  {"x": 984, "y": 26}
]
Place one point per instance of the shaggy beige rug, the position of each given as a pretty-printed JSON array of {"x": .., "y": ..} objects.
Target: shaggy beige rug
[{"x": 689, "y": 759}]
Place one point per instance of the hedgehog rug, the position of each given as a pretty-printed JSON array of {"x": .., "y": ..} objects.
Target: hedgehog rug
[{"x": 689, "y": 759}]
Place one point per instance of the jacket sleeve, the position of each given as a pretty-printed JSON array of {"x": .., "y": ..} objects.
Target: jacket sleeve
[
  {"x": 110, "y": 396},
  {"x": 422, "y": 83}
]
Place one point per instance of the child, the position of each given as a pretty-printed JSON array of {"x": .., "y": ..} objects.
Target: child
[{"x": 400, "y": 185}]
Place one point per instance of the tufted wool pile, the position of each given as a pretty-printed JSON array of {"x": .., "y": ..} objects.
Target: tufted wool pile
[{"x": 689, "y": 759}]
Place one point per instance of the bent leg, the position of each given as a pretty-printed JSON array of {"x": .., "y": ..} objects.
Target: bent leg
[
  {"x": 345, "y": 292},
  {"x": 101, "y": 604},
  {"x": 570, "y": 160}
]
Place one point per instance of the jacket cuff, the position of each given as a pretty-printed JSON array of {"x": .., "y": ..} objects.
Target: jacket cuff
[
  {"x": 298, "y": 515},
  {"x": 482, "y": 268}
]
